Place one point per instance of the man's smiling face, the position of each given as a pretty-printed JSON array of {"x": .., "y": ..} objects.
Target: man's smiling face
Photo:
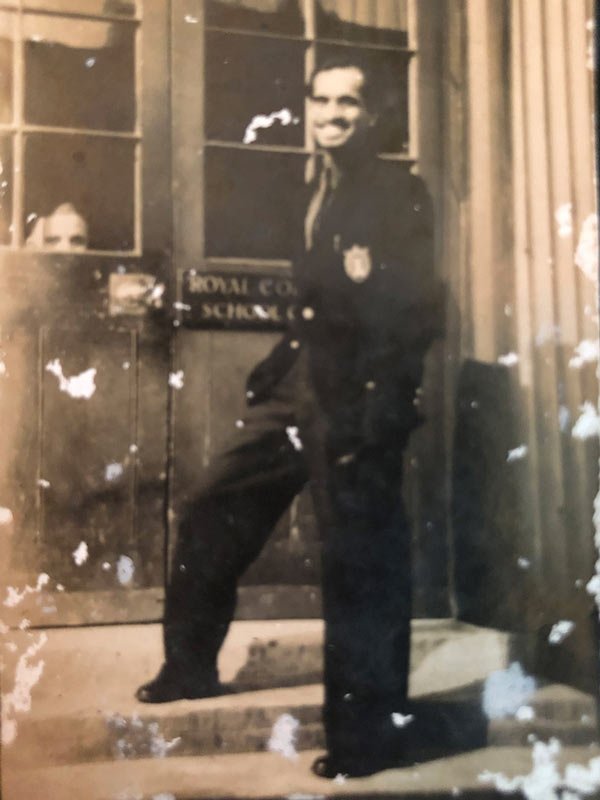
[{"x": 339, "y": 116}]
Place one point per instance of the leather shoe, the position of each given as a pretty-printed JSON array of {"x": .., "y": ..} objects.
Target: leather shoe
[
  {"x": 329, "y": 767},
  {"x": 169, "y": 686}
]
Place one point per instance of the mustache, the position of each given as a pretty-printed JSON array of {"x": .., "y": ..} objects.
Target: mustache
[{"x": 340, "y": 123}]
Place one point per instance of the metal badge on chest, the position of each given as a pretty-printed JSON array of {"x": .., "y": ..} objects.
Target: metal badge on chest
[{"x": 357, "y": 263}]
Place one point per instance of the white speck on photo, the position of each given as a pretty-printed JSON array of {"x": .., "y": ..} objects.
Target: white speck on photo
[
  {"x": 505, "y": 691},
  {"x": 125, "y": 570},
  {"x": 27, "y": 675},
  {"x": 176, "y": 379},
  {"x": 402, "y": 720},
  {"x": 80, "y": 386},
  {"x": 586, "y": 254},
  {"x": 525, "y": 714},
  {"x": 564, "y": 418},
  {"x": 15, "y": 596},
  {"x": 586, "y": 352},
  {"x": 560, "y": 630},
  {"x": 80, "y": 554},
  {"x": 283, "y": 736},
  {"x": 260, "y": 312},
  {"x": 564, "y": 219},
  {"x": 113, "y": 471},
  {"x": 509, "y": 359},
  {"x": 294, "y": 437},
  {"x": 588, "y": 422},
  {"x": 6, "y": 516},
  {"x": 262, "y": 121},
  {"x": 517, "y": 453}
]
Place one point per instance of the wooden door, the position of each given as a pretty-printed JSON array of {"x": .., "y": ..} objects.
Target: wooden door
[{"x": 85, "y": 228}]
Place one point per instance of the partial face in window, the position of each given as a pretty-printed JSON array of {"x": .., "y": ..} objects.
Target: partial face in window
[
  {"x": 339, "y": 116},
  {"x": 64, "y": 229}
]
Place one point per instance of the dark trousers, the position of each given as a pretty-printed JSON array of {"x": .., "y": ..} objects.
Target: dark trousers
[{"x": 365, "y": 559}]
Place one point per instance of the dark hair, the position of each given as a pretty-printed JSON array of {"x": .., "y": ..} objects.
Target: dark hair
[{"x": 371, "y": 89}]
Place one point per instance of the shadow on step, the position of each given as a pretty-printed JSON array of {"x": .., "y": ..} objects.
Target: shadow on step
[{"x": 448, "y": 723}]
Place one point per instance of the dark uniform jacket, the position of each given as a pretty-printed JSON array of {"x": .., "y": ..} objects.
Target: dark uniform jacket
[{"x": 369, "y": 303}]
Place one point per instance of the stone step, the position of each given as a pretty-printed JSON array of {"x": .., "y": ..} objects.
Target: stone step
[
  {"x": 258, "y": 776},
  {"x": 563, "y": 704},
  {"x": 511, "y": 733},
  {"x": 296, "y": 657},
  {"x": 214, "y": 726},
  {"x": 553, "y": 711},
  {"x": 83, "y": 708}
]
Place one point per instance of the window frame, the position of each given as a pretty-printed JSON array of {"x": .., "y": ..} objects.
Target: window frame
[{"x": 149, "y": 135}]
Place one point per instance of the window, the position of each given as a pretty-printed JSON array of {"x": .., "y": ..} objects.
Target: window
[
  {"x": 258, "y": 54},
  {"x": 70, "y": 141}
]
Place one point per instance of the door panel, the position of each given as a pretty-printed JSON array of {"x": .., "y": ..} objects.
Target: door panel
[
  {"x": 19, "y": 404},
  {"x": 85, "y": 422},
  {"x": 86, "y": 465},
  {"x": 152, "y": 414}
]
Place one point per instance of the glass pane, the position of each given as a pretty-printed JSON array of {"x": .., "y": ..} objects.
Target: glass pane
[
  {"x": 114, "y": 8},
  {"x": 389, "y": 80},
  {"x": 373, "y": 21},
  {"x": 272, "y": 16},
  {"x": 6, "y": 169},
  {"x": 70, "y": 61},
  {"x": 248, "y": 210},
  {"x": 6, "y": 65},
  {"x": 245, "y": 80},
  {"x": 78, "y": 187}
]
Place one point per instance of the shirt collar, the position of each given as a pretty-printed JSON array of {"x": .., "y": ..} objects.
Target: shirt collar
[{"x": 321, "y": 162}]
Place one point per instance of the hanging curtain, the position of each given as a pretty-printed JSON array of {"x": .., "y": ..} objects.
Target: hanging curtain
[
  {"x": 79, "y": 33},
  {"x": 389, "y": 14}
]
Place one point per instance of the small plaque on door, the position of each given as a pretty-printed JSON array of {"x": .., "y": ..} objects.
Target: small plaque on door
[{"x": 133, "y": 294}]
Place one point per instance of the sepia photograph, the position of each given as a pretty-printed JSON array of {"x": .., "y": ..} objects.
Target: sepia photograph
[{"x": 299, "y": 400}]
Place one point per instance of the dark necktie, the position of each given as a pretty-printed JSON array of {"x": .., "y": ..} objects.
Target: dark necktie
[{"x": 318, "y": 207}]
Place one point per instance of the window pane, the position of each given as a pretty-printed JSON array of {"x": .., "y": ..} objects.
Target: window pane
[
  {"x": 272, "y": 16},
  {"x": 79, "y": 73},
  {"x": 245, "y": 80},
  {"x": 87, "y": 179},
  {"x": 389, "y": 72},
  {"x": 6, "y": 65},
  {"x": 115, "y": 8},
  {"x": 6, "y": 168},
  {"x": 373, "y": 21},
  {"x": 248, "y": 210}
]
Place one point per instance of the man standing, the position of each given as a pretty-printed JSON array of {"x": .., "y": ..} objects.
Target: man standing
[{"x": 344, "y": 378}]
